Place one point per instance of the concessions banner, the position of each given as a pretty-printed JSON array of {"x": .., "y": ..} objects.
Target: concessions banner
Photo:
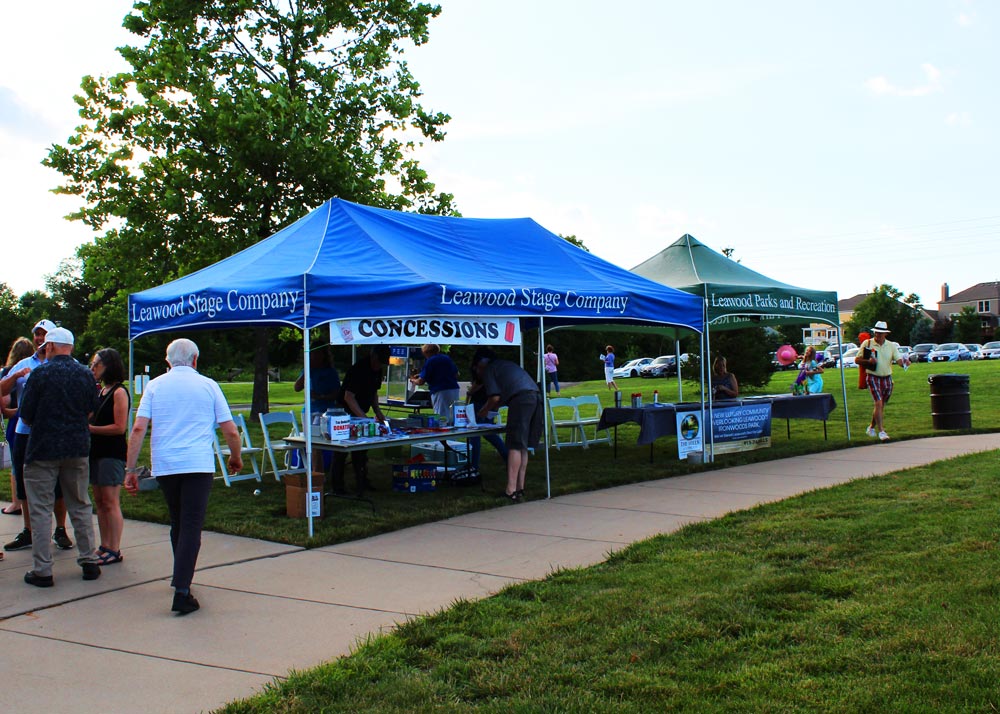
[
  {"x": 741, "y": 428},
  {"x": 415, "y": 330}
]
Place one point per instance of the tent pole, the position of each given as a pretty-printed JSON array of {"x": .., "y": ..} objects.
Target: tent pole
[
  {"x": 843, "y": 382},
  {"x": 677, "y": 358},
  {"x": 545, "y": 403},
  {"x": 307, "y": 419},
  {"x": 131, "y": 381},
  {"x": 708, "y": 371}
]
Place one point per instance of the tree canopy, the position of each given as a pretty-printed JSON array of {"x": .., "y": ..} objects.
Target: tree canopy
[
  {"x": 885, "y": 303},
  {"x": 234, "y": 120}
]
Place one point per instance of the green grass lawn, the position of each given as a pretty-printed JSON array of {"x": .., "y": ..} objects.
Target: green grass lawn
[
  {"x": 880, "y": 595},
  {"x": 236, "y": 510}
]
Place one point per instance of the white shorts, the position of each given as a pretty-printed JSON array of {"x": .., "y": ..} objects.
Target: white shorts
[{"x": 609, "y": 375}]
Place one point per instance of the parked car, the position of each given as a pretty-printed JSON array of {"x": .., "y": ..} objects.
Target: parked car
[
  {"x": 976, "y": 350},
  {"x": 658, "y": 367},
  {"x": 663, "y": 366},
  {"x": 834, "y": 351},
  {"x": 949, "y": 352},
  {"x": 832, "y": 359},
  {"x": 921, "y": 351},
  {"x": 631, "y": 368},
  {"x": 991, "y": 350},
  {"x": 906, "y": 351}
]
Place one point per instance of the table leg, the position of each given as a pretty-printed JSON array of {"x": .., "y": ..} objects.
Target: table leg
[{"x": 616, "y": 441}]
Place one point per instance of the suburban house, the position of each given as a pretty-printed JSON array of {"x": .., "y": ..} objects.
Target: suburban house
[
  {"x": 984, "y": 298},
  {"x": 823, "y": 334}
]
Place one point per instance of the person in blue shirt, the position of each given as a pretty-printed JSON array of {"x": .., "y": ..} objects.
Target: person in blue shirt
[
  {"x": 608, "y": 358},
  {"x": 440, "y": 374}
]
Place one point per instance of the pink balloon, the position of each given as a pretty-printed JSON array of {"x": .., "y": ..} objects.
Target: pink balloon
[{"x": 786, "y": 355}]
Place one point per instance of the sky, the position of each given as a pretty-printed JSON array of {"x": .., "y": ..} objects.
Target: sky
[{"x": 835, "y": 146}]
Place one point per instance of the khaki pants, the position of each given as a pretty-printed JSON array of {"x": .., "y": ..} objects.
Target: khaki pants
[{"x": 40, "y": 478}]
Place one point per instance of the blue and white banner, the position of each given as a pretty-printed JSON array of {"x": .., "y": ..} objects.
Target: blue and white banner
[{"x": 741, "y": 428}]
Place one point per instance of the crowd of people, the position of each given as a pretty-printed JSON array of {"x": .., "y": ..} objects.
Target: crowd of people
[{"x": 66, "y": 428}]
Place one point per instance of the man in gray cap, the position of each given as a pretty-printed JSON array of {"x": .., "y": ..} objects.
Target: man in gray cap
[
  {"x": 17, "y": 379},
  {"x": 58, "y": 401}
]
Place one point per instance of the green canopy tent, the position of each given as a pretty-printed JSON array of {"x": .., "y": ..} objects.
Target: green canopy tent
[{"x": 736, "y": 296}]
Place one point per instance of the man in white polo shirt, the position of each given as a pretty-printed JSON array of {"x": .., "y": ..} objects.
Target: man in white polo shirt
[{"x": 183, "y": 407}]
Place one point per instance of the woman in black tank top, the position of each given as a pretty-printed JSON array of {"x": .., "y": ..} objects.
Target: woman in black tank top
[{"x": 108, "y": 446}]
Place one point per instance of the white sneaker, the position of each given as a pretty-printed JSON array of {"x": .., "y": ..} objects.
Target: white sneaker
[
  {"x": 871, "y": 431},
  {"x": 883, "y": 436}
]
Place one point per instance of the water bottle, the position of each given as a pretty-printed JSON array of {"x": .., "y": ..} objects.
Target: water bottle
[{"x": 656, "y": 396}]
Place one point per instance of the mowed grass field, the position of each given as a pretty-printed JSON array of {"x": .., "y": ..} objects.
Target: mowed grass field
[
  {"x": 238, "y": 511},
  {"x": 880, "y": 595}
]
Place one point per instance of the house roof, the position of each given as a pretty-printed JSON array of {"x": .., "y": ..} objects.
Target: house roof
[
  {"x": 851, "y": 302},
  {"x": 979, "y": 291}
]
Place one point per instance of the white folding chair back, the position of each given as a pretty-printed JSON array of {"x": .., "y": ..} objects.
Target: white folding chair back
[
  {"x": 247, "y": 451},
  {"x": 588, "y": 411},
  {"x": 565, "y": 423},
  {"x": 284, "y": 421}
]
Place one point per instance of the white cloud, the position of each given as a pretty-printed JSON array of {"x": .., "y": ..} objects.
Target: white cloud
[
  {"x": 881, "y": 85},
  {"x": 966, "y": 19},
  {"x": 959, "y": 119}
]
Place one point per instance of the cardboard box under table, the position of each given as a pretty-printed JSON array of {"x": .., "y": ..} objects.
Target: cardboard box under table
[{"x": 297, "y": 501}]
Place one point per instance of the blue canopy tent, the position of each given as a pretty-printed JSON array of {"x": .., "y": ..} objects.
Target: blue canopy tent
[{"x": 345, "y": 261}]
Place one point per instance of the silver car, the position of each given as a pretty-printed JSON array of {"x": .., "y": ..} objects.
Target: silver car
[{"x": 991, "y": 350}]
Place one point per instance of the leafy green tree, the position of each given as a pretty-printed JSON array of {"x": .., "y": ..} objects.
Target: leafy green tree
[
  {"x": 885, "y": 303},
  {"x": 967, "y": 325},
  {"x": 575, "y": 241},
  {"x": 747, "y": 353},
  {"x": 13, "y": 323},
  {"x": 923, "y": 331},
  {"x": 235, "y": 118}
]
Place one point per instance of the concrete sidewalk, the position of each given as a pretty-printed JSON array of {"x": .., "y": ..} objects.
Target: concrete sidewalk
[{"x": 111, "y": 645}]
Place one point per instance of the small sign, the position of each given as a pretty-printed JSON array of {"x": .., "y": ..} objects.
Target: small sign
[
  {"x": 445, "y": 329},
  {"x": 315, "y": 504}
]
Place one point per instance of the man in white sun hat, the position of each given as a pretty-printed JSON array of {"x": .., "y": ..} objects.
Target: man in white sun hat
[{"x": 877, "y": 356}]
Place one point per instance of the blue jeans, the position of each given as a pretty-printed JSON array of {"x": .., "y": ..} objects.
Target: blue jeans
[
  {"x": 476, "y": 447},
  {"x": 551, "y": 378}
]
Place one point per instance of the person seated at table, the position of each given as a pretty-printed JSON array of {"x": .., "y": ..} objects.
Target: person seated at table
[
  {"x": 813, "y": 371},
  {"x": 724, "y": 384},
  {"x": 358, "y": 394}
]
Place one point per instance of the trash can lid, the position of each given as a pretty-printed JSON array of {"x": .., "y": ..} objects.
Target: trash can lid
[{"x": 948, "y": 379}]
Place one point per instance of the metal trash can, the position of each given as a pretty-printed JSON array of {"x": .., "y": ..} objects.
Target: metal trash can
[{"x": 950, "y": 401}]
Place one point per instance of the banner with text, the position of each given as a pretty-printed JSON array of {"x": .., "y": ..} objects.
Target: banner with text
[
  {"x": 419, "y": 330},
  {"x": 741, "y": 428}
]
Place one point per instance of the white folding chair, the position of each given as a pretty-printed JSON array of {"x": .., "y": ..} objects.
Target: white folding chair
[
  {"x": 564, "y": 417},
  {"x": 247, "y": 451},
  {"x": 269, "y": 421},
  {"x": 588, "y": 412}
]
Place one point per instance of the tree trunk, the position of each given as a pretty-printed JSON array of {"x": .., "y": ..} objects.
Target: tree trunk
[{"x": 260, "y": 359}]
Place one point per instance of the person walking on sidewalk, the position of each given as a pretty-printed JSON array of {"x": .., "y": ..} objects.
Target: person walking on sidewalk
[
  {"x": 183, "y": 408},
  {"x": 878, "y": 355},
  {"x": 58, "y": 401}
]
